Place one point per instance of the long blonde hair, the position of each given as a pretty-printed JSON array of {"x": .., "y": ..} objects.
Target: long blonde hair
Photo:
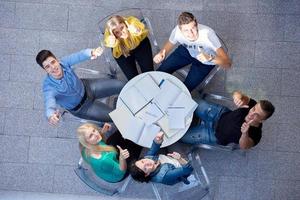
[
  {"x": 92, "y": 148},
  {"x": 114, "y": 22}
]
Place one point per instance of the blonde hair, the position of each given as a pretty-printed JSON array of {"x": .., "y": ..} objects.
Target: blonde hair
[
  {"x": 113, "y": 23},
  {"x": 90, "y": 148}
]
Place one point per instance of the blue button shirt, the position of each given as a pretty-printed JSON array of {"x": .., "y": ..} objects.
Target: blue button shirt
[{"x": 68, "y": 91}]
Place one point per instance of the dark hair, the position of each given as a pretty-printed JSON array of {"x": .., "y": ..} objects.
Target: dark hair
[
  {"x": 138, "y": 174},
  {"x": 267, "y": 107},
  {"x": 186, "y": 18},
  {"x": 42, "y": 56}
]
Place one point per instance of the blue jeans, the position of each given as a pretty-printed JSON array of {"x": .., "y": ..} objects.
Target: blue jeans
[
  {"x": 181, "y": 58},
  {"x": 204, "y": 133}
]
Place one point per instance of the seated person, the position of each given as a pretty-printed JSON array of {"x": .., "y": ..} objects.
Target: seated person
[
  {"x": 169, "y": 170},
  {"x": 219, "y": 125},
  {"x": 199, "y": 46},
  {"x": 63, "y": 87},
  {"x": 102, "y": 158},
  {"x": 127, "y": 37}
]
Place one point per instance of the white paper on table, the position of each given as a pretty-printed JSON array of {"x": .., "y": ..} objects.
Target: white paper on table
[
  {"x": 176, "y": 117},
  {"x": 133, "y": 99},
  {"x": 131, "y": 127},
  {"x": 147, "y": 87},
  {"x": 150, "y": 113},
  {"x": 183, "y": 100},
  {"x": 167, "y": 95}
]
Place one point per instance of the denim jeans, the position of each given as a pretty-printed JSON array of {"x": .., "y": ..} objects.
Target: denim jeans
[
  {"x": 181, "y": 58},
  {"x": 204, "y": 133}
]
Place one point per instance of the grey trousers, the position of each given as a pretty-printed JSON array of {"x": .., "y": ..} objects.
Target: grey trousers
[{"x": 96, "y": 89}]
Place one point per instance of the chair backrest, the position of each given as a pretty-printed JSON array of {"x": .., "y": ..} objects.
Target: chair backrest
[
  {"x": 87, "y": 176},
  {"x": 197, "y": 189}
]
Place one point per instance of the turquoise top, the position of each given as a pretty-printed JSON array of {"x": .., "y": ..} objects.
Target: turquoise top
[{"x": 106, "y": 167}]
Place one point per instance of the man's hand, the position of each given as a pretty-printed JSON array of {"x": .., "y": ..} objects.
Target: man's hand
[
  {"x": 245, "y": 127},
  {"x": 106, "y": 127},
  {"x": 202, "y": 56},
  {"x": 159, "y": 137},
  {"x": 175, "y": 155},
  {"x": 240, "y": 100},
  {"x": 124, "y": 153},
  {"x": 158, "y": 58},
  {"x": 54, "y": 118},
  {"x": 96, "y": 52}
]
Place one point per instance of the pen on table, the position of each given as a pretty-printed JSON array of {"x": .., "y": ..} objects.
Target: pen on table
[
  {"x": 175, "y": 107},
  {"x": 161, "y": 82}
]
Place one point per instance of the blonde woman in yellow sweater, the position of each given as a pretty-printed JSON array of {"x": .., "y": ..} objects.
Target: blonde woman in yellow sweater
[{"x": 127, "y": 36}]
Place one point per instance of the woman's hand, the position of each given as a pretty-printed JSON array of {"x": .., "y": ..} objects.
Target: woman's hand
[
  {"x": 106, "y": 127},
  {"x": 159, "y": 138},
  {"x": 124, "y": 153},
  {"x": 175, "y": 155},
  {"x": 111, "y": 40}
]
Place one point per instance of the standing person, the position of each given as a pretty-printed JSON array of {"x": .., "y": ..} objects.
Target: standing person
[
  {"x": 63, "y": 88},
  {"x": 219, "y": 125},
  {"x": 127, "y": 37},
  {"x": 102, "y": 158},
  {"x": 166, "y": 169},
  {"x": 199, "y": 46}
]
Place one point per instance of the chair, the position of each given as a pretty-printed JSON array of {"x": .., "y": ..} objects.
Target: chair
[
  {"x": 136, "y": 12},
  {"x": 86, "y": 175},
  {"x": 197, "y": 189},
  {"x": 183, "y": 72}
]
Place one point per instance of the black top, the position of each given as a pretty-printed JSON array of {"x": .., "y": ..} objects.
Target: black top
[{"x": 229, "y": 126}]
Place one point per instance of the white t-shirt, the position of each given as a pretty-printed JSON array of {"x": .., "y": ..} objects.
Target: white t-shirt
[
  {"x": 207, "y": 40},
  {"x": 167, "y": 159}
]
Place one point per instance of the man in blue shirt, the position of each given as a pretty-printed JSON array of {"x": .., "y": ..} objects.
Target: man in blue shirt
[{"x": 63, "y": 88}]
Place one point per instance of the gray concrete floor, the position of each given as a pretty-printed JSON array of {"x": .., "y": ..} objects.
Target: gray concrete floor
[{"x": 264, "y": 42}]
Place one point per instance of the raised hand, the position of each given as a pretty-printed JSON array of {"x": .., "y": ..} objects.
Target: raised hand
[
  {"x": 96, "y": 52},
  {"x": 158, "y": 58},
  {"x": 175, "y": 155},
  {"x": 202, "y": 56},
  {"x": 239, "y": 100},
  {"x": 124, "y": 153},
  {"x": 106, "y": 127},
  {"x": 159, "y": 137},
  {"x": 245, "y": 126},
  {"x": 54, "y": 118},
  {"x": 111, "y": 40}
]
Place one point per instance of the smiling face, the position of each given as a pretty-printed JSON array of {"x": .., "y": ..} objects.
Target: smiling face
[
  {"x": 121, "y": 31},
  {"x": 189, "y": 31},
  {"x": 146, "y": 165},
  {"x": 256, "y": 114},
  {"x": 92, "y": 136},
  {"x": 52, "y": 67}
]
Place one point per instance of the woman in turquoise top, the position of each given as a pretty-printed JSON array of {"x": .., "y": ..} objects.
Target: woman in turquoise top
[{"x": 102, "y": 158}]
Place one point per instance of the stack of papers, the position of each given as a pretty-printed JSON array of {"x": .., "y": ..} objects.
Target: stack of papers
[
  {"x": 131, "y": 127},
  {"x": 150, "y": 113},
  {"x": 139, "y": 95}
]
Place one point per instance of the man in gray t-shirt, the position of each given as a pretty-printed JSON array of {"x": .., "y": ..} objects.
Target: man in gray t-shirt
[{"x": 199, "y": 46}]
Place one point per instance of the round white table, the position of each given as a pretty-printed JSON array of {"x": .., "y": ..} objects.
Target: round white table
[{"x": 158, "y": 77}]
